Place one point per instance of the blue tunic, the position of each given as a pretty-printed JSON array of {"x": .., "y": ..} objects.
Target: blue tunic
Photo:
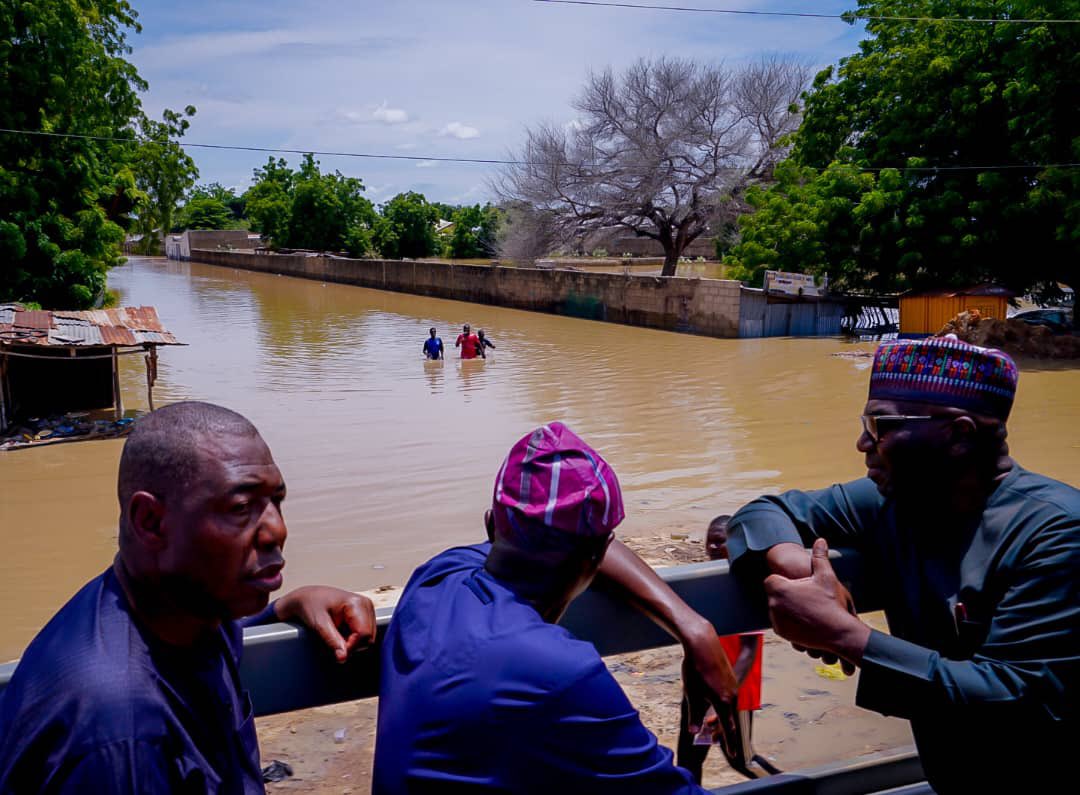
[
  {"x": 99, "y": 705},
  {"x": 480, "y": 694},
  {"x": 433, "y": 348},
  {"x": 984, "y": 651}
]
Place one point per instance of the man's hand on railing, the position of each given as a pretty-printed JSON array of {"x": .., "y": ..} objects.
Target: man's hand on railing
[
  {"x": 343, "y": 619},
  {"x": 817, "y": 614}
]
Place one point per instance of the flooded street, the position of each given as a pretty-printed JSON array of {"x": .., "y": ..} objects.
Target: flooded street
[{"x": 390, "y": 458}]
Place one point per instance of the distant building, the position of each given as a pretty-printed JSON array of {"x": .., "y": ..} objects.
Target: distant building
[{"x": 925, "y": 312}]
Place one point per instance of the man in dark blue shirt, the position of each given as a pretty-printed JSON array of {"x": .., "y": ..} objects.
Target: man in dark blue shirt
[
  {"x": 133, "y": 685},
  {"x": 480, "y": 689},
  {"x": 433, "y": 346},
  {"x": 976, "y": 559}
]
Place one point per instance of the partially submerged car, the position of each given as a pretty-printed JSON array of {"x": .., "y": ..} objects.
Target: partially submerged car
[{"x": 1059, "y": 320}]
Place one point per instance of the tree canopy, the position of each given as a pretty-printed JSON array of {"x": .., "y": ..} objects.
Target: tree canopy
[
  {"x": 407, "y": 227},
  {"x": 64, "y": 202},
  {"x": 212, "y": 206},
  {"x": 163, "y": 173},
  {"x": 309, "y": 209},
  {"x": 664, "y": 150},
  {"x": 474, "y": 232},
  {"x": 934, "y": 156}
]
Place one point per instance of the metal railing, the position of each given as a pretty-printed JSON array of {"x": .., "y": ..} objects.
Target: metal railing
[{"x": 286, "y": 668}]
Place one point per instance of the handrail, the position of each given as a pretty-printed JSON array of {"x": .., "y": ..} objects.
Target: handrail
[
  {"x": 287, "y": 668},
  {"x": 612, "y": 625}
]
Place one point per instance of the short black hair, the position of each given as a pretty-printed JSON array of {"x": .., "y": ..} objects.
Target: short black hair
[
  {"x": 720, "y": 522},
  {"x": 162, "y": 454}
]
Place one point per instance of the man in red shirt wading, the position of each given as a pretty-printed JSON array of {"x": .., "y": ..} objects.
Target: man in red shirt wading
[{"x": 469, "y": 344}]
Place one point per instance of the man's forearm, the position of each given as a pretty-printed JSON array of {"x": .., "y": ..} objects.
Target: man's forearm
[
  {"x": 788, "y": 559},
  {"x": 651, "y": 594}
]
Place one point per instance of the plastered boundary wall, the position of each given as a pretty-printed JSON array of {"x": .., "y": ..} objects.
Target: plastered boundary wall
[{"x": 697, "y": 306}]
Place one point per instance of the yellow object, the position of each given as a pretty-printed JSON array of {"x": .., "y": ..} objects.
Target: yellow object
[{"x": 830, "y": 671}]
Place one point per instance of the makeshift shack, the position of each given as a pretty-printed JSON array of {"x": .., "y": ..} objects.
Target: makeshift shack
[
  {"x": 923, "y": 313},
  {"x": 58, "y": 362}
]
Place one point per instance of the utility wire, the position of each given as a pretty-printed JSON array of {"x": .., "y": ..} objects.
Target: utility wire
[
  {"x": 850, "y": 16},
  {"x": 489, "y": 161}
]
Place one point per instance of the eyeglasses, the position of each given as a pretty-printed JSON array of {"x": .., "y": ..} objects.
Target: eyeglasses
[{"x": 876, "y": 425}]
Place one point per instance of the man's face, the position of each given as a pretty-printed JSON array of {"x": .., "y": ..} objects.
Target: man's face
[
  {"x": 226, "y": 531},
  {"x": 432, "y": 332},
  {"x": 909, "y": 457},
  {"x": 716, "y": 542},
  {"x": 466, "y": 330}
]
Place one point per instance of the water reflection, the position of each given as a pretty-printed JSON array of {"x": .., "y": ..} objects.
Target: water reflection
[{"x": 390, "y": 457}]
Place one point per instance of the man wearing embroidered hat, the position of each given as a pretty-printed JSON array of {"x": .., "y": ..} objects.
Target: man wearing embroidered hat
[
  {"x": 480, "y": 689},
  {"x": 977, "y": 561}
]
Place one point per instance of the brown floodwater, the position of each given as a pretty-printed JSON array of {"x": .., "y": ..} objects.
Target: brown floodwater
[{"x": 390, "y": 458}]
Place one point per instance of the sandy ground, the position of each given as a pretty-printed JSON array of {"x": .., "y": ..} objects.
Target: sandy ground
[{"x": 807, "y": 718}]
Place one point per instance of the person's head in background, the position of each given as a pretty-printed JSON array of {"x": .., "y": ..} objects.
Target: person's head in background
[{"x": 716, "y": 538}]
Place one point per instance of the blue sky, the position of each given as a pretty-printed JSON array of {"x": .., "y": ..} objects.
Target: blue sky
[{"x": 449, "y": 78}]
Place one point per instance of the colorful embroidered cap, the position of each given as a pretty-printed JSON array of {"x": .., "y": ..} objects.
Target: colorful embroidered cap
[
  {"x": 947, "y": 372},
  {"x": 553, "y": 478}
]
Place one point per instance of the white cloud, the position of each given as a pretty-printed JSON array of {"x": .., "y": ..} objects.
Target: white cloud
[
  {"x": 389, "y": 115},
  {"x": 459, "y": 130},
  {"x": 427, "y": 164}
]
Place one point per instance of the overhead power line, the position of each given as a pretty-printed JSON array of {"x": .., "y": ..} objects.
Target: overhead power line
[
  {"x": 490, "y": 161},
  {"x": 850, "y": 16}
]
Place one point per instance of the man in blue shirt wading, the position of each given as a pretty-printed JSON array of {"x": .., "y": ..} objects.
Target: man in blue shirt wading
[
  {"x": 433, "y": 346},
  {"x": 481, "y": 690},
  {"x": 133, "y": 686},
  {"x": 977, "y": 562}
]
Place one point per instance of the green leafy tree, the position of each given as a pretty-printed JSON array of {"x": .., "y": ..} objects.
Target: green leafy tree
[
  {"x": 64, "y": 202},
  {"x": 163, "y": 172},
  {"x": 269, "y": 200},
  {"x": 935, "y": 105},
  {"x": 407, "y": 227},
  {"x": 309, "y": 209},
  {"x": 446, "y": 211},
  {"x": 474, "y": 232},
  {"x": 227, "y": 196},
  {"x": 205, "y": 212}
]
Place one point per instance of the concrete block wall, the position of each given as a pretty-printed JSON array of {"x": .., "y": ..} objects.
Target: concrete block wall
[{"x": 697, "y": 306}]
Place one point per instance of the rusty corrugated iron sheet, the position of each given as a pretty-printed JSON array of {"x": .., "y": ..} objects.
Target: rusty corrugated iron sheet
[{"x": 121, "y": 327}]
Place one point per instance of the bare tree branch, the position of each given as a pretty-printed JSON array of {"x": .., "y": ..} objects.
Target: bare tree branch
[{"x": 665, "y": 149}]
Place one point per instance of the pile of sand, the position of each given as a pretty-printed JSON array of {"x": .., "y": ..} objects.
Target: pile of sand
[{"x": 1014, "y": 337}]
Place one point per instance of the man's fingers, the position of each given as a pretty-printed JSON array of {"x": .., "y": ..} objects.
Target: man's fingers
[
  {"x": 359, "y": 617},
  {"x": 820, "y": 567},
  {"x": 330, "y": 635},
  {"x": 847, "y": 668}
]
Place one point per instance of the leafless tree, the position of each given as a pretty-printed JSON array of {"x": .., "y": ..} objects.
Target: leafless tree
[
  {"x": 663, "y": 150},
  {"x": 527, "y": 233}
]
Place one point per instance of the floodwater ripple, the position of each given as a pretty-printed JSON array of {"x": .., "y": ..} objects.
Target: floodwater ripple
[{"x": 390, "y": 458}]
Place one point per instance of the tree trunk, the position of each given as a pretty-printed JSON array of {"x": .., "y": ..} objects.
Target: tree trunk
[{"x": 671, "y": 261}]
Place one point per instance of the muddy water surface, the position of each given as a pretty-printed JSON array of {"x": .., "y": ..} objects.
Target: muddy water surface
[{"x": 390, "y": 458}]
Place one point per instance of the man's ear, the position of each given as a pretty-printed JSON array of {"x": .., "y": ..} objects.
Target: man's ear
[
  {"x": 963, "y": 430},
  {"x": 489, "y": 524},
  {"x": 145, "y": 513}
]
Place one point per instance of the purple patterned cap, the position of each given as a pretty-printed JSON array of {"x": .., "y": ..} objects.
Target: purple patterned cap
[
  {"x": 945, "y": 371},
  {"x": 553, "y": 478}
]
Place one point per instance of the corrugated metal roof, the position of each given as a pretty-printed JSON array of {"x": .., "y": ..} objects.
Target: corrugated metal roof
[
  {"x": 125, "y": 326},
  {"x": 954, "y": 292}
]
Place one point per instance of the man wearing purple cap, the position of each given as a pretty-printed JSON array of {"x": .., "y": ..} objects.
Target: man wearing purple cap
[
  {"x": 976, "y": 559},
  {"x": 480, "y": 689}
]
